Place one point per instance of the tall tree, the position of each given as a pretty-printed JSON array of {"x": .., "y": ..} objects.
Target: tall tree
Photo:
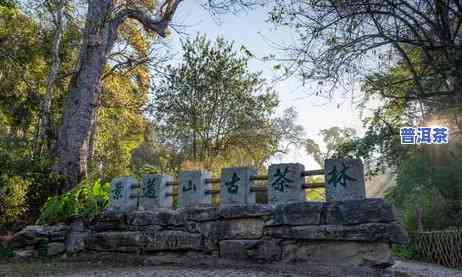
[{"x": 104, "y": 18}]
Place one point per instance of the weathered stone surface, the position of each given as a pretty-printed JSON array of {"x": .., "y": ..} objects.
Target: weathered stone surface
[
  {"x": 236, "y": 249},
  {"x": 199, "y": 214},
  {"x": 244, "y": 228},
  {"x": 359, "y": 211},
  {"x": 285, "y": 183},
  {"x": 154, "y": 191},
  {"x": 109, "y": 221},
  {"x": 245, "y": 211},
  {"x": 25, "y": 253},
  {"x": 338, "y": 253},
  {"x": 301, "y": 213},
  {"x": 55, "y": 248},
  {"x": 30, "y": 235},
  {"x": 145, "y": 241},
  {"x": 369, "y": 232},
  {"x": 344, "y": 180},
  {"x": 161, "y": 217},
  {"x": 235, "y": 186},
  {"x": 120, "y": 198},
  {"x": 213, "y": 230},
  {"x": 75, "y": 242},
  {"x": 265, "y": 251},
  {"x": 192, "y": 189}
]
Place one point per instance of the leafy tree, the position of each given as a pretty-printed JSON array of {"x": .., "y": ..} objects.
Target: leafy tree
[
  {"x": 333, "y": 138},
  {"x": 354, "y": 38},
  {"x": 211, "y": 108}
]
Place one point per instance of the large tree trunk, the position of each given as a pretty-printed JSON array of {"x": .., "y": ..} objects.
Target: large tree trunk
[{"x": 99, "y": 37}]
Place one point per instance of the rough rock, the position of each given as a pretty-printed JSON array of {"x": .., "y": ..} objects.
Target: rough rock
[
  {"x": 145, "y": 241},
  {"x": 55, "y": 248},
  {"x": 25, "y": 253},
  {"x": 244, "y": 228},
  {"x": 199, "y": 214},
  {"x": 32, "y": 234},
  {"x": 338, "y": 253},
  {"x": 369, "y": 232},
  {"x": 75, "y": 242},
  {"x": 257, "y": 210},
  {"x": 257, "y": 250},
  {"x": 359, "y": 211},
  {"x": 161, "y": 217},
  {"x": 300, "y": 213}
]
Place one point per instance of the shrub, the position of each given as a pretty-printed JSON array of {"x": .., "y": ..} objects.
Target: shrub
[
  {"x": 13, "y": 190},
  {"x": 86, "y": 200}
]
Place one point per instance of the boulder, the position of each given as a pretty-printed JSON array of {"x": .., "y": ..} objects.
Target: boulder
[
  {"x": 245, "y": 211},
  {"x": 55, "y": 248},
  {"x": 338, "y": 253},
  {"x": 32, "y": 234},
  {"x": 199, "y": 214},
  {"x": 369, "y": 232},
  {"x": 299, "y": 213},
  {"x": 359, "y": 211},
  {"x": 243, "y": 228},
  {"x": 144, "y": 241},
  {"x": 256, "y": 250},
  {"x": 75, "y": 242}
]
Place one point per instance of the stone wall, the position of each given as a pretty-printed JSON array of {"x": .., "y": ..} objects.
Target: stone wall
[{"x": 350, "y": 233}]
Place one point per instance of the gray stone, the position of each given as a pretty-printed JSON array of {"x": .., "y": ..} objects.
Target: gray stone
[
  {"x": 25, "y": 253},
  {"x": 199, "y": 214},
  {"x": 301, "y": 213},
  {"x": 285, "y": 183},
  {"x": 372, "y": 210},
  {"x": 109, "y": 221},
  {"x": 55, "y": 248},
  {"x": 77, "y": 225},
  {"x": 32, "y": 234},
  {"x": 154, "y": 192},
  {"x": 338, "y": 253},
  {"x": 368, "y": 232},
  {"x": 256, "y": 210},
  {"x": 243, "y": 228},
  {"x": 123, "y": 196},
  {"x": 235, "y": 186},
  {"x": 75, "y": 242},
  {"x": 145, "y": 241},
  {"x": 344, "y": 180},
  {"x": 161, "y": 217},
  {"x": 256, "y": 250},
  {"x": 192, "y": 189}
]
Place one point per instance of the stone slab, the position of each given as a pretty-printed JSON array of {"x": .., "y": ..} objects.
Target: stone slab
[
  {"x": 121, "y": 198},
  {"x": 192, "y": 190},
  {"x": 154, "y": 192},
  {"x": 235, "y": 186},
  {"x": 285, "y": 183},
  {"x": 344, "y": 180},
  {"x": 368, "y": 232}
]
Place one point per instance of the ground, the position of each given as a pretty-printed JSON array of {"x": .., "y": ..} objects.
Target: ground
[{"x": 70, "y": 268}]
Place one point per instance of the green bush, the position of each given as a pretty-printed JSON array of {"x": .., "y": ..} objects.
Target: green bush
[
  {"x": 13, "y": 190},
  {"x": 86, "y": 200}
]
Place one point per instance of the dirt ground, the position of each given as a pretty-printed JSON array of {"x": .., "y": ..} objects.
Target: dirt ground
[{"x": 116, "y": 268}]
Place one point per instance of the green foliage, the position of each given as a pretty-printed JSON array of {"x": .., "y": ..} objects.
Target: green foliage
[
  {"x": 13, "y": 190},
  {"x": 86, "y": 200},
  {"x": 6, "y": 252},
  {"x": 333, "y": 138},
  {"x": 405, "y": 252}
]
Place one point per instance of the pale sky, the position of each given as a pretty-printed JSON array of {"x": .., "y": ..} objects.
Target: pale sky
[{"x": 250, "y": 30}]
